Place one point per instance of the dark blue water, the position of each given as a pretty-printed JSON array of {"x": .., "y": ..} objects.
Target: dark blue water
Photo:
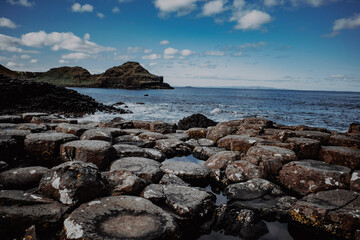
[{"x": 332, "y": 110}]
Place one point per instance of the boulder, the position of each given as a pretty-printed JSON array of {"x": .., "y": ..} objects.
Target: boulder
[
  {"x": 310, "y": 176},
  {"x": 6, "y": 126},
  {"x": 46, "y": 119},
  {"x": 33, "y": 127},
  {"x": 173, "y": 147},
  {"x": 355, "y": 181},
  {"x": 354, "y": 128},
  {"x": 72, "y": 183},
  {"x": 162, "y": 127},
  {"x": 104, "y": 134},
  {"x": 28, "y": 116},
  {"x": 204, "y": 153},
  {"x": 46, "y": 146},
  {"x": 145, "y": 168},
  {"x": 100, "y": 153},
  {"x": 124, "y": 150},
  {"x": 119, "y": 122},
  {"x": 196, "y": 133},
  {"x": 344, "y": 141},
  {"x": 22, "y": 178},
  {"x": 305, "y": 148},
  {"x": 343, "y": 156},
  {"x": 195, "y": 120},
  {"x": 123, "y": 182},
  {"x": 192, "y": 173},
  {"x": 76, "y": 129},
  {"x": 141, "y": 124},
  {"x": 119, "y": 217},
  {"x": 219, "y": 131},
  {"x": 169, "y": 179},
  {"x": 323, "y": 137},
  {"x": 202, "y": 142},
  {"x": 238, "y": 143}
]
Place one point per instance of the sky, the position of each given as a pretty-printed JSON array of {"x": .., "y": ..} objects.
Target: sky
[{"x": 288, "y": 44}]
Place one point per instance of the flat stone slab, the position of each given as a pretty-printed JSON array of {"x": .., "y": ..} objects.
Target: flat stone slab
[
  {"x": 162, "y": 127},
  {"x": 238, "y": 143},
  {"x": 202, "y": 142},
  {"x": 123, "y": 182},
  {"x": 152, "y": 136},
  {"x": 240, "y": 171},
  {"x": 28, "y": 116},
  {"x": 196, "y": 133},
  {"x": 46, "y": 146},
  {"x": 321, "y": 136},
  {"x": 125, "y": 150},
  {"x": 133, "y": 140},
  {"x": 100, "y": 153},
  {"x": 145, "y": 168},
  {"x": 192, "y": 173},
  {"x": 343, "y": 156},
  {"x": 72, "y": 183},
  {"x": 120, "y": 217},
  {"x": 219, "y": 161},
  {"x": 10, "y": 119},
  {"x": 22, "y": 178},
  {"x": 34, "y": 128},
  {"x": 76, "y": 129},
  {"x": 344, "y": 141},
  {"x": 204, "y": 153},
  {"x": 173, "y": 147},
  {"x": 305, "y": 148},
  {"x": 219, "y": 131},
  {"x": 141, "y": 124},
  {"x": 169, "y": 179},
  {"x": 104, "y": 134},
  {"x": 310, "y": 176}
]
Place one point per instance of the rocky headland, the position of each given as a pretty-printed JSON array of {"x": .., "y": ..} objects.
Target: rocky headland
[
  {"x": 119, "y": 180},
  {"x": 130, "y": 75}
]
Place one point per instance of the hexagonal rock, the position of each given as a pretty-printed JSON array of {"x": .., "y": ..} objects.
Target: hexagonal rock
[
  {"x": 100, "y": 153},
  {"x": 46, "y": 146},
  {"x": 123, "y": 182},
  {"x": 10, "y": 119},
  {"x": 162, "y": 127},
  {"x": 251, "y": 130},
  {"x": 22, "y": 178},
  {"x": 321, "y": 136},
  {"x": 76, "y": 129},
  {"x": 238, "y": 143},
  {"x": 264, "y": 152},
  {"x": 34, "y": 128},
  {"x": 203, "y": 153},
  {"x": 219, "y": 162},
  {"x": 152, "y": 136},
  {"x": 354, "y": 128},
  {"x": 145, "y": 168},
  {"x": 173, "y": 147},
  {"x": 133, "y": 140},
  {"x": 192, "y": 173},
  {"x": 141, "y": 124},
  {"x": 44, "y": 119},
  {"x": 355, "y": 181},
  {"x": 202, "y": 142},
  {"x": 168, "y": 179},
  {"x": 28, "y": 116},
  {"x": 240, "y": 171},
  {"x": 344, "y": 141},
  {"x": 133, "y": 131},
  {"x": 219, "y": 131},
  {"x": 124, "y": 150},
  {"x": 18, "y": 135},
  {"x": 261, "y": 121},
  {"x": 197, "y": 133},
  {"x": 305, "y": 148},
  {"x": 104, "y": 134},
  {"x": 334, "y": 211},
  {"x": 72, "y": 183},
  {"x": 119, "y": 217},
  {"x": 19, "y": 210},
  {"x": 343, "y": 156},
  {"x": 180, "y": 135},
  {"x": 309, "y": 176}
]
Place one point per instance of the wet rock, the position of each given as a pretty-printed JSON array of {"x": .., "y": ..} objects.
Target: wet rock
[
  {"x": 72, "y": 183},
  {"x": 123, "y": 182},
  {"x": 134, "y": 140},
  {"x": 333, "y": 211},
  {"x": 202, "y": 142},
  {"x": 76, "y": 129},
  {"x": 354, "y": 128},
  {"x": 192, "y": 173},
  {"x": 152, "y": 136},
  {"x": 240, "y": 171},
  {"x": 195, "y": 121},
  {"x": 276, "y": 143},
  {"x": 178, "y": 135},
  {"x": 124, "y": 150},
  {"x": 197, "y": 133},
  {"x": 154, "y": 193},
  {"x": 251, "y": 130},
  {"x": 104, "y": 134},
  {"x": 355, "y": 181},
  {"x": 44, "y": 119},
  {"x": 133, "y": 131},
  {"x": 119, "y": 122},
  {"x": 320, "y": 136},
  {"x": 260, "y": 121},
  {"x": 30, "y": 233},
  {"x": 219, "y": 131},
  {"x": 141, "y": 124},
  {"x": 19, "y": 209},
  {"x": 145, "y": 168},
  {"x": 18, "y": 135},
  {"x": 238, "y": 143},
  {"x": 173, "y": 147},
  {"x": 219, "y": 161},
  {"x": 34, "y": 128},
  {"x": 28, "y": 116},
  {"x": 204, "y": 153},
  {"x": 46, "y": 146},
  {"x": 343, "y": 156},
  {"x": 305, "y": 148},
  {"x": 168, "y": 179},
  {"x": 120, "y": 217},
  {"x": 309, "y": 176},
  {"x": 344, "y": 141},
  {"x": 100, "y": 153},
  {"x": 22, "y": 178},
  {"x": 10, "y": 119},
  {"x": 162, "y": 127}
]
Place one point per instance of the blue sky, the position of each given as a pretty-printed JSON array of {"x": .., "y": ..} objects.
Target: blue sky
[{"x": 293, "y": 44}]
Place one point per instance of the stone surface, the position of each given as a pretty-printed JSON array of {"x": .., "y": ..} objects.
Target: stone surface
[
  {"x": 22, "y": 178},
  {"x": 355, "y": 181},
  {"x": 219, "y": 161},
  {"x": 46, "y": 146},
  {"x": 354, "y": 128},
  {"x": 124, "y": 150},
  {"x": 238, "y": 143},
  {"x": 134, "y": 140},
  {"x": 195, "y": 120},
  {"x": 104, "y": 134},
  {"x": 120, "y": 217},
  {"x": 219, "y": 131},
  {"x": 240, "y": 171},
  {"x": 162, "y": 127},
  {"x": 192, "y": 173},
  {"x": 141, "y": 124},
  {"x": 310, "y": 176},
  {"x": 173, "y": 147},
  {"x": 72, "y": 183},
  {"x": 196, "y": 133},
  {"x": 100, "y": 153},
  {"x": 343, "y": 156},
  {"x": 305, "y": 148},
  {"x": 152, "y": 136},
  {"x": 344, "y": 141},
  {"x": 204, "y": 153},
  {"x": 169, "y": 179},
  {"x": 145, "y": 168},
  {"x": 28, "y": 116},
  {"x": 10, "y": 119},
  {"x": 76, "y": 129},
  {"x": 202, "y": 142},
  {"x": 8, "y": 148},
  {"x": 320, "y": 136},
  {"x": 34, "y": 128}
]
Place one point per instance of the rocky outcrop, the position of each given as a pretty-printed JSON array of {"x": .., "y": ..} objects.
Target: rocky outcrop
[{"x": 195, "y": 121}]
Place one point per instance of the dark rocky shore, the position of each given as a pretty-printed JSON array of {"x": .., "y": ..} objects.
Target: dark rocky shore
[{"x": 65, "y": 180}]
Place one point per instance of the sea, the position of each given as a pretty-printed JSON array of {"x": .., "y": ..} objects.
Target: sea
[{"x": 331, "y": 110}]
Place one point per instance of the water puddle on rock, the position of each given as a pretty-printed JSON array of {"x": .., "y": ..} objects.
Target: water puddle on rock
[{"x": 189, "y": 158}]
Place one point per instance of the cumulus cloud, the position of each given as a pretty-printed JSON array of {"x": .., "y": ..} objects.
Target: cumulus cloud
[
  {"x": 271, "y": 3},
  {"x": 77, "y": 7},
  {"x": 115, "y": 10},
  {"x": 147, "y": 51},
  {"x": 214, "y": 53},
  {"x": 252, "y": 45},
  {"x": 347, "y": 23},
  {"x": 87, "y": 36},
  {"x": 63, "y": 61},
  {"x": 171, "y": 51},
  {"x": 11, "y": 44},
  {"x": 253, "y": 20},
  {"x": 186, "y": 52},
  {"x": 5, "y": 22},
  {"x": 181, "y": 7},
  {"x": 34, "y": 61},
  {"x": 24, "y": 3},
  {"x": 76, "y": 56},
  {"x": 134, "y": 49},
  {"x": 14, "y": 64},
  {"x": 314, "y": 3},
  {"x": 25, "y": 56},
  {"x": 153, "y": 56},
  {"x": 100, "y": 15},
  {"x": 164, "y": 42},
  {"x": 153, "y": 64},
  {"x": 214, "y": 7}
]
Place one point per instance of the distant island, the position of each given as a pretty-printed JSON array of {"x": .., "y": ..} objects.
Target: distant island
[{"x": 130, "y": 75}]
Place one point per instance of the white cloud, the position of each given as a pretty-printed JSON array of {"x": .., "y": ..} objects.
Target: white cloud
[
  {"x": 214, "y": 53},
  {"x": 24, "y": 3},
  {"x": 76, "y": 56},
  {"x": 5, "y": 22},
  {"x": 100, "y": 15},
  {"x": 171, "y": 51},
  {"x": 347, "y": 23},
  {"x": 271, "y": 3},
  {"x": 253, "y": 20},
  {"x": 182, "y": 7},
  {"x": 169, "y": 56},
  {"x": 134, "y": 49},
  {"x": 153, "y": 64},
  {"x": 14, "y": 64},
  {"x": 123, "y": 57},
  {"x": 77, "y": 7},
  {"x": 314, "y": 3},
  {"x": 124, "y": 1},
  {"x": 115, "y": 10},
  {"x": 238, "y": 54},
  {"x": 153, "y": 56},
  {"x": 213, "y": 7},
  {"x": 252, "y": 45},
  {"x": 34, "y": 61},
  {"x": 63, "y": 61},
  {"x": 87, "y": 36},
  {"x": 147, "y": 51},
  {"x": 11, "y": 44},
  {"x": 186, "y": 52},
  {"x": 25, "y": 56},
  {"x": 164, "y": 42}
]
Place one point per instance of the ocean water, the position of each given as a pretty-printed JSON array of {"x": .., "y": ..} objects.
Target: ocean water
[{"x": 332, "y": 110}]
